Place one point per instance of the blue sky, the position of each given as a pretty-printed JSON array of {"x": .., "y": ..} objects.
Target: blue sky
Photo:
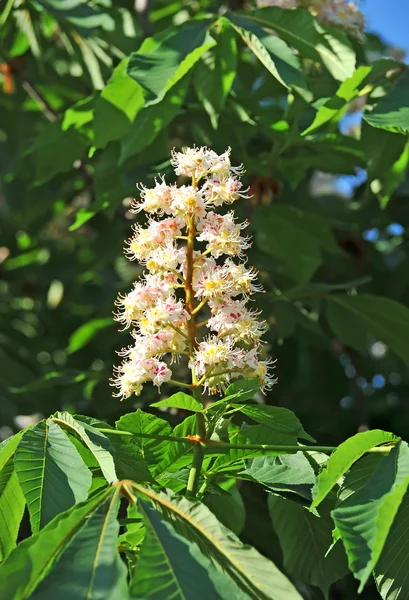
[{"x": 390, "y": 19}]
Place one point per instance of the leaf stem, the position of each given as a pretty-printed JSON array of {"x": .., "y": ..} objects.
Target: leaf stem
[
  {"x": 211, "y": 446},
  {"x": 181, "y": 383}
]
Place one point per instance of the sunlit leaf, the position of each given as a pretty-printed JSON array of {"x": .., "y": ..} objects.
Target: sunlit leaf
[
  {"x": 51, "y": 473},
  {"x": 344, "y": 457}
]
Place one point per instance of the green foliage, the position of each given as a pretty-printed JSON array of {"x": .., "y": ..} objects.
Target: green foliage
[
  {"x": 305, "y": 539},
  {"x": 51, "y": 473},
  {"x": 182, "y": 401},
  {"x": 94, "y": 96},
  {"x": 344, "y": 457}
]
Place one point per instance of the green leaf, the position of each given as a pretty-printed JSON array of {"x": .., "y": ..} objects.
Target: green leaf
[
  {"x": 382, "y": 149},
  {"x": 151, "y": 449},
  {"x": 180, "y": 569},
  {"x": 82, "y": 16},
  {"x": 276, "y": 418},
  {"x": 51, "y": 473},
  {"x": 284, "y": 473},
  {"x": 355, "y": 318},
  {"x": 358, "y": 475},
  {"x": 272, "y": 52},
  {"x": 89, "y": 565},
  {"x": 216, "y": 70},
  {"x": 391, "y": 570},
  {"x": 294, "y": 237},
  {"x": 67, "y": 148},
  {"x": 177, "y": 455},
  {"x": 117, "y": 106},
  {"x": 394, "y": 177},
  {"x": 364, "y": 519},
  {"x": 313, "y": 40},
  {"x": 129, "y": 462},
  {"x": 344, "y": 457},
  {"x": 254, "y": 574},
  {"x": 79, "y": 115},
  {"x": 228, "y": 508},
  {"x": 359, "y": 83},
  {"x": 95, "y": 441},
  {"x": 331, "y": 153},
  {"x": 241, "y": 390},
  {"x": 31, "y": 560},
  {"x": 157, "y": 71},
  {"x": 151, "y": 120},
  {"x": 182, "y": 401},
  {"x": 12, "y": 504},
  {"x": 304, "y": 539},
  {"x": 84, "y": 334},
  {"x": 232, "y": 459},
  {"x": 392, "y": 111},
  {"x": 8, "y": 447}
]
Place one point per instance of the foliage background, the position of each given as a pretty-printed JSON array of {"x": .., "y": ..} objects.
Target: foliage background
[{"x": 328, "y": 214}]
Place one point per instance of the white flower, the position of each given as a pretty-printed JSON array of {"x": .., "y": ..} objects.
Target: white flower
[
  {"x": 146, "y": 241},
  {"x": 210, "y": 282},
  {"x": 234, "y": 319},
  {"x": 213, "y": 352},
  {"x": 146, "y": 346},
  {"x": 163, "y": 313},
  {"x": 241, "y": 279},
  {"x": 154, "y": 200},
  {"x": 132, "y": 305},
  {"x": 186, "y": 200},
  {"x": 164, "y": 258},
  {"x": 132, "y": 374},
  {"x": 160, "y": 307},
  {"x": 222, "y": 234},
  {"x": 223, "y": 190}
]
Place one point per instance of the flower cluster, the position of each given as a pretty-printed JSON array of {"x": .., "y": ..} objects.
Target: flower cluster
[
  {"x": 334, "y": 13},
  {"x": 194, "y": 260}
]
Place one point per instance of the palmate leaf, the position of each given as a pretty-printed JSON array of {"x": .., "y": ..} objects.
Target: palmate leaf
[
  {"x": 255, "y": 575},
  {"x": 215, "y": 72},
  {"x": 157, "y": 71},
  {"x": 95, "y": 441},
  {"x": 8, "y": 447},
  {"x": 89, "y": 565},
  {"x": 272, "y": 52},
  {"x": 355, "y": 318},
  {"x": 12, "y": 504},
  {"x": 153, "y": 119},
  {"x": 182, "y": 401},
  {"x": 304, "y": 540},
  {"x": 177, "y": 455},
  {"x": 392, "y": 568},
  {"x": 151, "y": 449},
  {"x": 364, "y": 519},
  {"x": 335, "y": 107},
  {"x": 282, "y": 420},
  {"x": 344, "y": 457},
  {"x": 31, "y": 560},
  {"x": 232, "y": 459},
  {"x": 313, "y": 40},
  {"x": 285, "y": 473},
  {"x": 181, "y": 571},
  {"x": 117, "y": 106},
  {"x": 392, "y": 111},
  {"x": 51, "y": 473},
  {"x": 129, "y": 462},
  {"x": 228, "y": 507},
  {"x": 294, "y": 237}
]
